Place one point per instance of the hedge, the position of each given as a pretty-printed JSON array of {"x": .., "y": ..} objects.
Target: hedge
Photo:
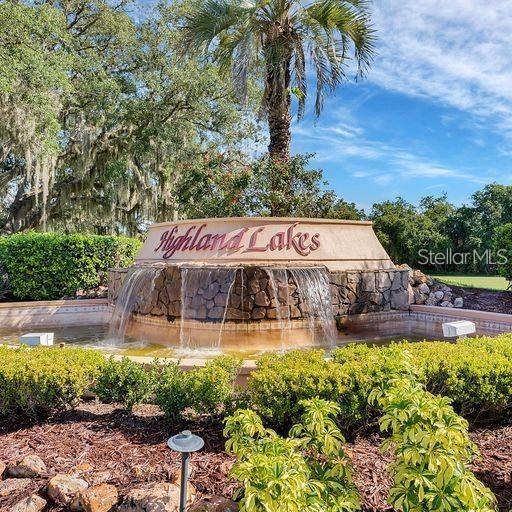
[
  {"x": 476, "y": 374},
  {"x": 48, "y": 266},
  {"x": 37, "y": 382}
]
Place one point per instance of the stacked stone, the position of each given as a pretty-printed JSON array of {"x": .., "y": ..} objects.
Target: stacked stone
[
  {"x": 357, "y": 292},
  {"x": 256, "y": 293}
]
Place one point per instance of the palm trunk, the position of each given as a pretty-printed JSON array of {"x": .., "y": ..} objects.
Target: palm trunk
[{"x": 278, "y": 103}]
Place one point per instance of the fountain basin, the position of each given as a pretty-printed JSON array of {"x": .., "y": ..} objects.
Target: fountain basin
[{"x": 280, "y": 281}]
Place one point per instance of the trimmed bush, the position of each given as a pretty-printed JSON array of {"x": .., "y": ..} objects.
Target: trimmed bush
[
  {"x": 280, "y": 382},
  {"x": 48, "y": 266},
  {"x": 209, "y": 390},
  {"x": 476, "y": 374},
  {"x": 125, "y": 382},
  {"x": 37, "y": 382}
]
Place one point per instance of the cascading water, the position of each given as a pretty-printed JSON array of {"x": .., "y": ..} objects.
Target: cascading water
[
  {"x": 316, "y": 306},
  {"x": 137, "y": 287},
  {"x": 205, "y": 296},
  {"x": 278, "y": 278}
]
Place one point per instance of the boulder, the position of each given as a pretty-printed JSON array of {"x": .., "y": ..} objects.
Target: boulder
[
  {"x": 30, "y": 467},
  {"x": 98, "y": 498},
  {"x": 446, "y": 304},
  {"x": 13, "y": 485},
  {"x": 2, "y": 468},
  {"x": 162, "y": 497},
  {"x": 64, "y": 488},
  {"x": 32, "y": 503},
  {"x": 214, "y": 504},
  {"x": 439, "y": 295},
  {"x": 458, "y": 302},
  {"x": 423, "y": 288}
]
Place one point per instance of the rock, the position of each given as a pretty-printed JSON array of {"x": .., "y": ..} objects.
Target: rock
[
  {"x": 397, "y": 282},
  {"x": 162, "y": 497},
  {"x": 439, "y": 295},
  {"x": 383, "y": 281},
  {"x": 448, "y": 295},
  {"x": 13, "y": 485},
  {"x": 423, "y": 288},
  {"x": 99, "y": 498},
  {"x": 63, "y": 488},
  {"x": 211, "y": 291},
  {"x": 399, "y": 300},
  {"x": 368, "y": 282},
  {"x": 295, "y": 312},
  {"x": 30, "y": 467},
  {"x": 258, "y": 313},
  {"x": 235, "y": 300},
  {"x": 214, "y": 504},
  {"x": 458, "y": 302},
  {"x": 2, "y": 468},
  {"x": 32, "y": 503},
  {"x": 98, "y": 477},
  {"x": 221, "y": 299},
  {"x": 279, "y": 313},
  {"x": 419, "y": 298},
  {"x": 261, "y": 299},
  {"x": 216, "y": 312},
  {"x": 446, "y": 304},
  {"x": 254, "y": 286},
  {"x": 237, "y": 314}
]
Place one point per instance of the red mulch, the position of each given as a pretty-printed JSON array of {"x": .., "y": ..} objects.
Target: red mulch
[{"x": 133, "y": 449}]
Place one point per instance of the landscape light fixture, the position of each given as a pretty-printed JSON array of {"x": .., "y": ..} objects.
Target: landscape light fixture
[{"x": 185, "y": 443}]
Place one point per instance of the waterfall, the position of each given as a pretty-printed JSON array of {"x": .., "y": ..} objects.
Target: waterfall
[
  {"x": 278, "y": 278},
  {"x": 316, "y": 306},
  {"x": 205, "y": 296},
  {"x": 137, "y": 286}
]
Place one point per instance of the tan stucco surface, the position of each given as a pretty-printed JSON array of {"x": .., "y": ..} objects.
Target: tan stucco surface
[{"x": 337, "y": 244}]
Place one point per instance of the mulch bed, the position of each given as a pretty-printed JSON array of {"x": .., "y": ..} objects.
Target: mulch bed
[
  {"x": 132, "y": 448},
  {"x": 484, "y": 300}
]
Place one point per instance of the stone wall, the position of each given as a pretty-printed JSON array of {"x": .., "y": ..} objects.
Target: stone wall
[{"x": 255, "y": 293}]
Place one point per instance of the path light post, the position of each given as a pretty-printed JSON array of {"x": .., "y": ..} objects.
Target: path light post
[{"x": 185, "y": 443}]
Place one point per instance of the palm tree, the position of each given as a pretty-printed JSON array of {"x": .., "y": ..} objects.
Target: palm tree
[{"x": 273, "y": 37}]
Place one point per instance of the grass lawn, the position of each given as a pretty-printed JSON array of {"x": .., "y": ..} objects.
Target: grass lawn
[{"x": 472, "y": 280}]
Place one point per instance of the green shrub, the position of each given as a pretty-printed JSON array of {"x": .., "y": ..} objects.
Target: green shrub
[
  {"x": 173, "y": 391},
  {"x": 280, "y": 382},
  {"x": 125, "y": 382},
  {"x": 432, "y": 449},
  {"x": 209, "y": 390},
  {"x": 307, "y": 471},
  {"x": 47, "y": 266},
  {"x": 40, "y": 381},
  {"x": 475, "y": 374},
  {"x": 213, "y": 386}
]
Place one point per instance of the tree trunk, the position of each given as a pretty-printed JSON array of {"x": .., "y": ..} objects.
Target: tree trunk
[{"x": 278, "y": 104}]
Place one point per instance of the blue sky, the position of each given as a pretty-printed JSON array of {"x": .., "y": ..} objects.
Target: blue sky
[
  {"x": 433, "y": 116},
  {"x": 435, "y": 113}
]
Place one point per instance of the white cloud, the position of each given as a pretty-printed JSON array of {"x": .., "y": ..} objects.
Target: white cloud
[
  {"x": 456, "y": 52},
  {"x": 331, "y": 146}
]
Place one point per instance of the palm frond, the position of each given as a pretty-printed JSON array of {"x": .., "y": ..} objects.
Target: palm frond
[{"x": 209, "y": 19}]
